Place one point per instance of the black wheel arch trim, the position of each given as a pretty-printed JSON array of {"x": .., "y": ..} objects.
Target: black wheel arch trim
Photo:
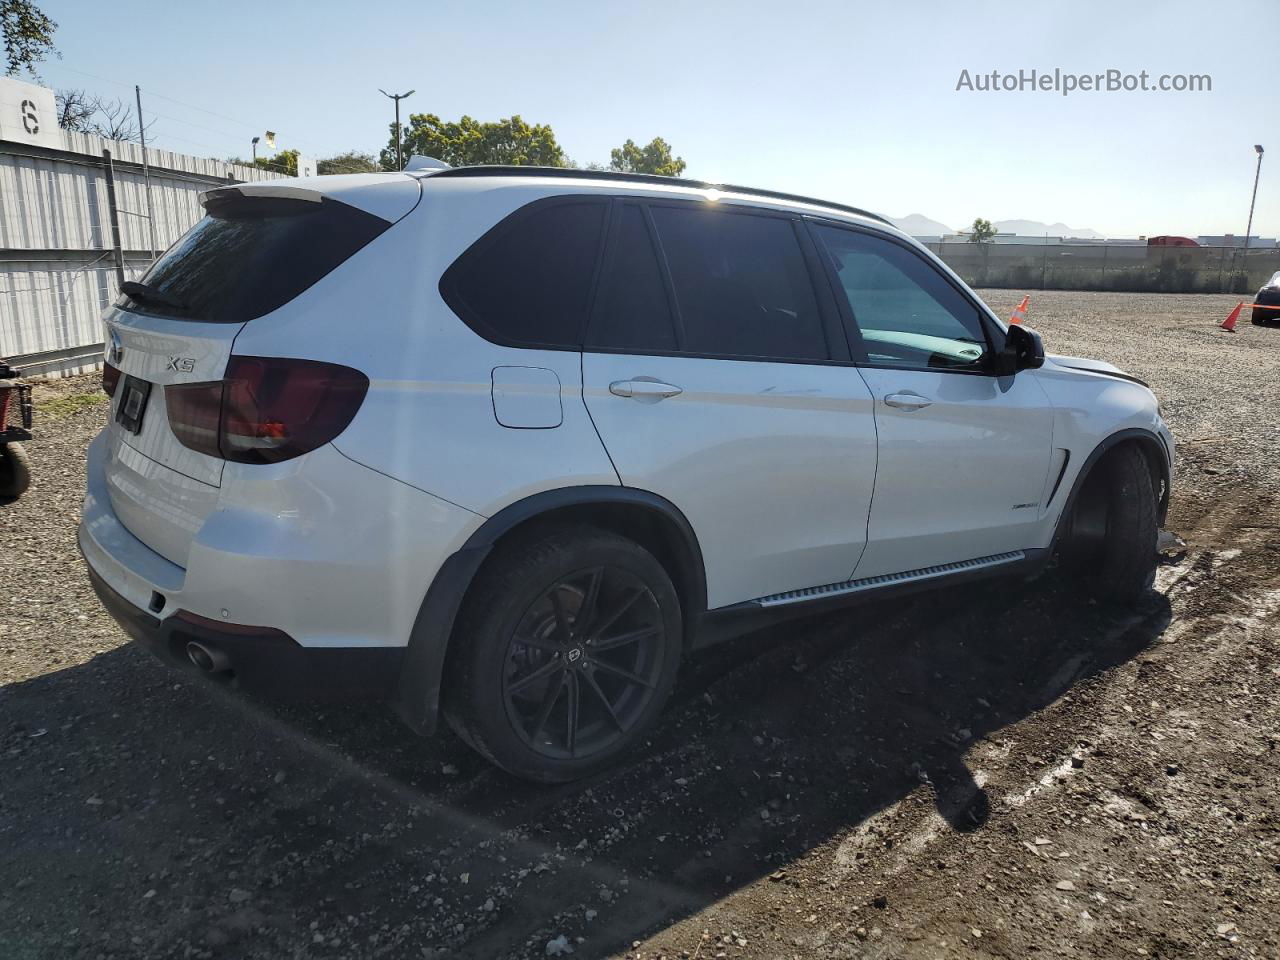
[
  {"x": 1158, "y": 454},
  {"x": 416, "y": 700}
]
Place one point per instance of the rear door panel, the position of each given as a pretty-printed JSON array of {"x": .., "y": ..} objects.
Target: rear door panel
[
  {"x": 766, "y": 445},
  {"x": 771, "y": 463}
]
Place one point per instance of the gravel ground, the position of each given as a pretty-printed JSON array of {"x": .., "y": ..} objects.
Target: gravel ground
[{"x": 985, "y": 772}]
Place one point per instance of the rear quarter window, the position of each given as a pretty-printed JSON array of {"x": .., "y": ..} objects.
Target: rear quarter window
[
  {"x": 251, "y": 255},
  {"x": 527, "y": 282}
]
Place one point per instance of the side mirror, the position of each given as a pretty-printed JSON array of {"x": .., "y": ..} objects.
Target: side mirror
[{"x": 1023, "y": 350}]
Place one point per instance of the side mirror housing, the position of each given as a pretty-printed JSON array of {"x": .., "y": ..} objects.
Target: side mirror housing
[{"x": 1023, "y": 350}]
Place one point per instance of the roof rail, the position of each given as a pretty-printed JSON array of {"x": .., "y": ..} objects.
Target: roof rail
[{"x": 503, "y": 170}]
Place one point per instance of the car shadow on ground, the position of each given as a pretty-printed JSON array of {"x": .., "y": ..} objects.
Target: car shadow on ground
[{"x": 150, "y": 812}]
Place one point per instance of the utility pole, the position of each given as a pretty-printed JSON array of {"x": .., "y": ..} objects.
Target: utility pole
[
  {"x": 1249, "y": 229},
  {"x": 397, "y": 97},
  {"x": 114, "y": 213},
  {"x": 146, "y": 172}
]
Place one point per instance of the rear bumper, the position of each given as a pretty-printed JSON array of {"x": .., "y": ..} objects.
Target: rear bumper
[
  {"x": 329, "y": 558},
  {"x": 267, "y": 663},
  {"x": 321, "y": 548}
]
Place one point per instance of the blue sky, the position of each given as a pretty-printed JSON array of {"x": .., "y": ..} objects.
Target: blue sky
[{"x": 854, "y": 102}]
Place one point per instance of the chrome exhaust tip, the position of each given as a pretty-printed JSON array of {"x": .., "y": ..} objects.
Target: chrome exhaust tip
[{"x": 207, "y": 659}]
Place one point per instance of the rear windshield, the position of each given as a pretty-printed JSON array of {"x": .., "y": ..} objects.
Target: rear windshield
[{"x": 249, "y": 256}]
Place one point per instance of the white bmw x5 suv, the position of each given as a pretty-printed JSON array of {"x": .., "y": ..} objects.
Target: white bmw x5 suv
[{"x": 502, "y": 444}]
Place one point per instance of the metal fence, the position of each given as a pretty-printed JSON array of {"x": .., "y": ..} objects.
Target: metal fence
[
  {"x": 1137, "y": 268},
  {"x": 57, "y": 263}
]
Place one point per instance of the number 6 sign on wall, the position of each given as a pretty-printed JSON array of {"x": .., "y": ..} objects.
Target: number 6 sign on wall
[
  {"x": 27, "y": 114},
  {"x": 30, "y": 119}
]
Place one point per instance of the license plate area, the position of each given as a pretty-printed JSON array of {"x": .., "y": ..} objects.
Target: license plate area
[{"x": 134, "y": 394}]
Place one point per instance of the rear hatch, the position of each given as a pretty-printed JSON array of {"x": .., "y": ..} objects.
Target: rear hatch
[{"x": 257, "y": 248}]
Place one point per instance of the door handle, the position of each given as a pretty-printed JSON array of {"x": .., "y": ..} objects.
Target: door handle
[
  {"x": 907, "y": 401},
  {"x": 644, "y": 389}
]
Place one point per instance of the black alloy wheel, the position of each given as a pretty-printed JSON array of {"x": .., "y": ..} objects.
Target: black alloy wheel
[
  {"x": 564, "y": 653},
  {"x": 584, "y": 662}
]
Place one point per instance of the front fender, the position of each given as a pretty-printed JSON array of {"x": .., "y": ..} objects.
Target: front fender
[{"x": 1095, "y": 409}]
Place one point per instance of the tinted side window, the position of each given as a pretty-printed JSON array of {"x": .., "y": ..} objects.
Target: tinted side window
[
  {"x": 907, "y": 312},
  {"x": 250, "y": 255},
  {"x": 528, "y": 280},
  {"x": 631, "y": 310},
  {"x": 741, "y": 284}
]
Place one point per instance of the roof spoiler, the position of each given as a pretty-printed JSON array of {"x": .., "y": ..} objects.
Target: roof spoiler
[{"x": 260, "y": 190}]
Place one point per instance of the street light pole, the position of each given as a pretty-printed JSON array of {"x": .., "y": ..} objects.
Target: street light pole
[
  {"x": 1249, "y": 229},
  {"x": 397, "y": 97}
]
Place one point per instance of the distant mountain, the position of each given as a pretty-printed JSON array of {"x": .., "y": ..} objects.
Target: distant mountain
[
  {"x": 918, "y": 225},
  {"x": 1034, "y": 228}
]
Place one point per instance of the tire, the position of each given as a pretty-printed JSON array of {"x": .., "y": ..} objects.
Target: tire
[
  {"x": 1258, "y": 317},
  {"x": 1114, "y": 528},
  {"x": 525, "y": 660},
  {"x": 15, "y": 471}
]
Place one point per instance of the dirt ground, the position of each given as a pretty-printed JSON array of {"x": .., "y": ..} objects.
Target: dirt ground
[{"x": 984, "y": 772}]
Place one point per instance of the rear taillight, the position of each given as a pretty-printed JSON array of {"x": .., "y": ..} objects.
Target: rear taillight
[
  {"x": 110, "y": 377},
  {"x": 194, "y": 411},
  {"x": 266, "y": 409}
]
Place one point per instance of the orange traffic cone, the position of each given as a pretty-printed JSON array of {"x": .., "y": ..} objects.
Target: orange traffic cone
[
  {"x": 1020, "y": 311},
  {"x": 1229, "y": 324}
]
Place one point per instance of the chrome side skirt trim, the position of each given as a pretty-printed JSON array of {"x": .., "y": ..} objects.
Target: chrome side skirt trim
[{"x": 870, "y": 583}]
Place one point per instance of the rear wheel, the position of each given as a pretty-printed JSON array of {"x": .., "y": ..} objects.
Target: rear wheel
[
  {"x": 15, "y": 470},
  {"x": 1111, "y": 540},
  {"x": 565, "y": 653}
]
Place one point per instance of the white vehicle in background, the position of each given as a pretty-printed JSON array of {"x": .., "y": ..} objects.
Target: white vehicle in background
[{"x": 502, "y": 444}]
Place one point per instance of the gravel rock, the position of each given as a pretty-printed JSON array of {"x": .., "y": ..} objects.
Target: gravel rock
[{"x": 558, "y": 946}]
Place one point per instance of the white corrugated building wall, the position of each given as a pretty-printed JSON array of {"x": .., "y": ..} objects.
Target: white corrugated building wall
[{"x": 57, "y": 267}]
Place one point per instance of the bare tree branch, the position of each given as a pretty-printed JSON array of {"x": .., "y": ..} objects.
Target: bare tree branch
[
  {"x": 85, "y": 113},
  {"x": 75, "y": 109}
]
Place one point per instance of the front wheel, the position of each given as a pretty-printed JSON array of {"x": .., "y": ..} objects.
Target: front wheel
[
  {"x": 1111, "y": 539},
  {"x": 566, "y": 651},
  {"x": 15, "y": 471}
]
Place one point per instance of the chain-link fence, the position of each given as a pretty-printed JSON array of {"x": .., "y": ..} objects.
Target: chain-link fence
[{"x": 1119, "y": 267}]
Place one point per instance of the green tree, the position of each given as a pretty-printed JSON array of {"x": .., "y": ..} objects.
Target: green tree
[
  {"x": 28, "y": 35},
  {"x": 351, "y": 161},
  {"x": 982, "y": 231},
  {"x": 655, "y": 158},
  {"x": 284, "y": 163},
  {"x": 466, "y": 142}
]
